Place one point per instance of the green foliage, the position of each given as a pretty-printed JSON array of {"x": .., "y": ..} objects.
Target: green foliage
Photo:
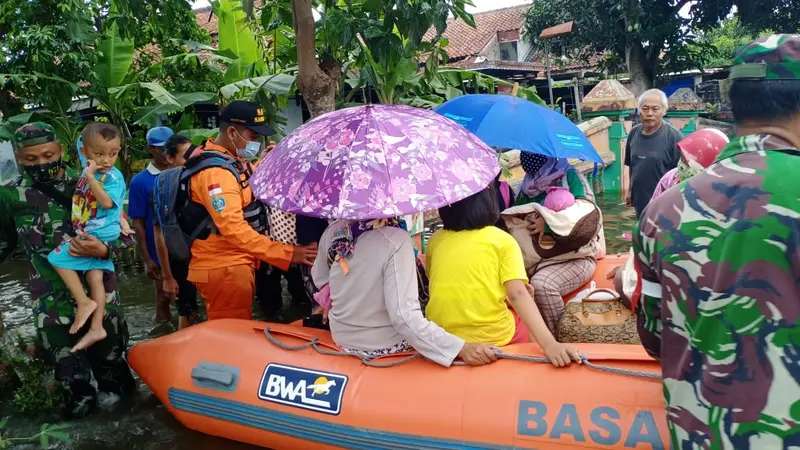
[
  {"x": 65, "y": 39},
  {"x": 52, "y": 51},
  {"x": 726, "y": 40},
  {"x": 52, "y": 37},
  {"x": 387, "y": 39},
  {"x": 236, "y": 37},
  {"x": 281, "y": 84},
  {"x": 199, "y": 135},
  {"x": 26, "y": 381},
  {"x": 276, "y": 25},
  {"x": 424, "y": 90},
  {"x": 116, "y": 58},
  {"x": 781, "y": 16},
  {"x": 650, "y": 35}
]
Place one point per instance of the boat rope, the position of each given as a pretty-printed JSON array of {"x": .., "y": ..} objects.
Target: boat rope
[{"x": 314, "y": 343}]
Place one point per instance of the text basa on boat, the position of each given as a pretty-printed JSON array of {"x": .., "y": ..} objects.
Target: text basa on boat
[
  {"x": 604, "y": 425},
  {"x": 303, "y": 388}
]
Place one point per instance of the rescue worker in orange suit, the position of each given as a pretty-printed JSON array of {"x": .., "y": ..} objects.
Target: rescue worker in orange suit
[{"x": 223, "y": 265}]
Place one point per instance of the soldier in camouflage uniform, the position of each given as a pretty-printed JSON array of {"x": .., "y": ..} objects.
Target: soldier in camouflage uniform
[
  {"x": 719, "y": 256},
  {"x": 35, "y": 213}
]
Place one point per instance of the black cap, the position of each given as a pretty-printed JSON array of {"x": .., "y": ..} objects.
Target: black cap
[{"x": 246, "y": 114}]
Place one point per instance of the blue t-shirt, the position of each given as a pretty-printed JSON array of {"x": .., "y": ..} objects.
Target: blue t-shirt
[
  {"x": 87, "y": 214},
  {"x": 140, "y": 205}
]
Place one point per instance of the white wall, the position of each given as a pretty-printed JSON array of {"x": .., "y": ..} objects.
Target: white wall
[
  {"x": 523, "y": 48},
  {"x": 293, "y": 114},
  {"x": 491, "y": 51}
]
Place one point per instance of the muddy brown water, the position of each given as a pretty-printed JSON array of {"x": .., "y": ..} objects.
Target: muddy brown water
[{"x": 142, "y": 422}]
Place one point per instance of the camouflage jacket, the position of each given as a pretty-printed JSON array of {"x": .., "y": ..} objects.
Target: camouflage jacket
[
  {"x": 38, "y": 224},
  {"x": 725, "y": 249}
]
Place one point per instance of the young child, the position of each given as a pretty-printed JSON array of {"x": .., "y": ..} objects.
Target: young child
[
  {"x": 556, "y": 200},
  {"x": 96, "y": 211}
]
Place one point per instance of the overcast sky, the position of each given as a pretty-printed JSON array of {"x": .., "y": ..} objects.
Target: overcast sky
[{"x": 480, "y": 5}]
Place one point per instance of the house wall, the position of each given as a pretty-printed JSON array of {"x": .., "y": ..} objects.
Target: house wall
[
  {"x": 294, "y": 115},
  {"x": 523, "y": 48},
  {"x": 676, "y": 83},
  {"x": 492, "y": 50}
]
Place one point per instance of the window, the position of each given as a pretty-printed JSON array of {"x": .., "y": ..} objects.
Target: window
[{"x": 508, "y": 51}]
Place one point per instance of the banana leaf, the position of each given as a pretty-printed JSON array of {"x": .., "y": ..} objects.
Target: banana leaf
[
  {"x": 116, "y": 58},
  {"x": 236, "y": 36},
  {"x": 199, "y": 135},
  {"x": 278, "y": 84}
]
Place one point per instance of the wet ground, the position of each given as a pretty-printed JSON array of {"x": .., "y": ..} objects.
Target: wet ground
[{"x": 142, "y": 423}]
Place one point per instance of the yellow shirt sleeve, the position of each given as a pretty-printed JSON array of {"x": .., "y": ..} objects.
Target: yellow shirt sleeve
[{"x": 512, "y": 266}]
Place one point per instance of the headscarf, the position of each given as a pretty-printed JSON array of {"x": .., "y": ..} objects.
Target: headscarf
[
  {"x": 698, "y": 150},
  {"x": 541, "y": 172},
  {"x": 685, "y": 172},
  {"x": 344, "y": 241},
  {"x": 344, "y": 244}
]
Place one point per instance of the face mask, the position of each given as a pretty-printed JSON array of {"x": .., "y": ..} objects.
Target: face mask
[
  {"x": 44, "y": 173},
  {"x": 250, "y": 150}
]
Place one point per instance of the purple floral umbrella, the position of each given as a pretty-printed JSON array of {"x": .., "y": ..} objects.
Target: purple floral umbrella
[{"x": 373, "y": 162}]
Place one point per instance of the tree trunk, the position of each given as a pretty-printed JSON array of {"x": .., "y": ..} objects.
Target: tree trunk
[
  {"x": 641, "y": 67},
  {"x": 318, "y": 85}
]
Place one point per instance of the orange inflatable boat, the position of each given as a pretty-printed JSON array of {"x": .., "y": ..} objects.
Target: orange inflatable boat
[{"x": 287, "y": 387}]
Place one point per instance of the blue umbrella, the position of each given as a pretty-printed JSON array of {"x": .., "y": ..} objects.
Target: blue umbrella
[{"x": 515, "y": 123}]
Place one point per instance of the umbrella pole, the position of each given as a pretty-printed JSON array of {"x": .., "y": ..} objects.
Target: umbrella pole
[
  {"x": 577, "y": 99},
  {"x": 549, "y": 80}
]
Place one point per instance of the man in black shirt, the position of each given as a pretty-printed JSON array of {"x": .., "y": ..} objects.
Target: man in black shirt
[{"x": 651, "y": 150}]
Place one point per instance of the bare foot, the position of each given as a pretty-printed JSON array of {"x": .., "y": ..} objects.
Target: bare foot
[
  {"x": 85, "y": 309},
  {"x": 92, "y": 336}
]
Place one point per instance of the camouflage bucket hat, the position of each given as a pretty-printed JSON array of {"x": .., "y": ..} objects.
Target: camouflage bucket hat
[
  {"x": 775, "y": 57},
  {"x": 35, "y": 133}
]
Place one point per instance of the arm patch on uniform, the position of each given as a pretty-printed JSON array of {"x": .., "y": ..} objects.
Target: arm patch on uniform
[{"x": 218, "y": 203}]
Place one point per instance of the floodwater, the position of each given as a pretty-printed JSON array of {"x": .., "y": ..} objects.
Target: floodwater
[{"x": 142, "y": 423}]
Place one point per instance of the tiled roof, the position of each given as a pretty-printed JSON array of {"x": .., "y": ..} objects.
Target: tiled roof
[
  {"x": 539, "y": 57},
  {"x": 473, "y": 63},
  {"x": 207, "y": 20},
  {"x": 467, "y": 41}
]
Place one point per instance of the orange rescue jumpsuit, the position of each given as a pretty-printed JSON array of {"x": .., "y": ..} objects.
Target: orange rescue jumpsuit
[{"x": 223, "y": 266}]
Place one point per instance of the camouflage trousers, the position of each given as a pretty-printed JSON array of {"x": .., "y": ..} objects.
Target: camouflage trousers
[{"x": 105, "y": 360}]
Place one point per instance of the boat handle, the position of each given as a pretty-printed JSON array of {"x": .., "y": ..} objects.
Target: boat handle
[{"x": 218, "y": 377}]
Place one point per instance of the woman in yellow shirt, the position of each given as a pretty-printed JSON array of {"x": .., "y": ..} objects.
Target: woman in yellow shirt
[{"x": 476, "y": 270}]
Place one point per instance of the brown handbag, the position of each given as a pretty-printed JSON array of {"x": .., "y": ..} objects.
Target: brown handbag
[{"x": 600, "y": 321}]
